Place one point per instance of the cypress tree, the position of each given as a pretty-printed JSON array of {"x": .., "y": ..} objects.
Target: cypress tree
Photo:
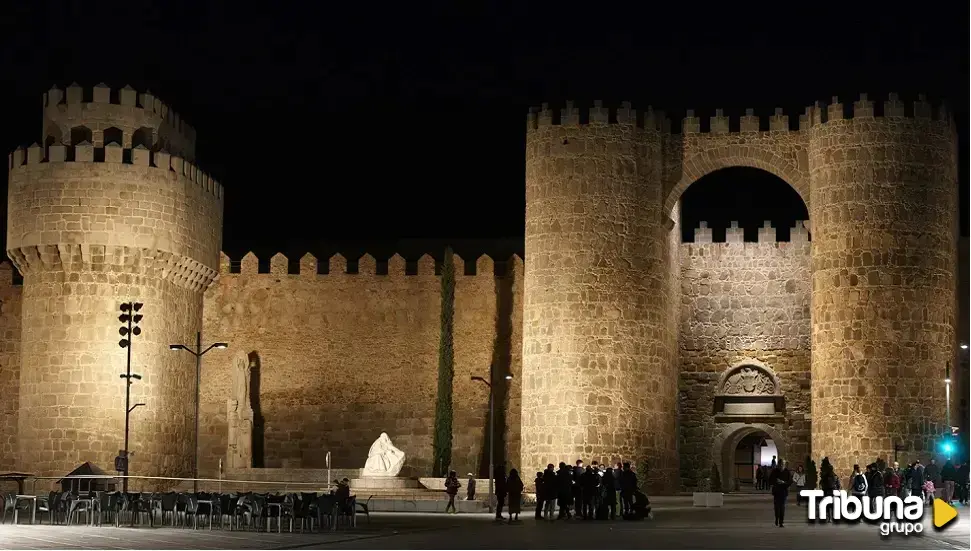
[
  {"x": 446, "y": 371},
  {"x": 812, "y": 477}
]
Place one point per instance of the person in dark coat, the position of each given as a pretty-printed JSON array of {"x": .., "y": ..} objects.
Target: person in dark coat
[
  {"x": 514, "y": 490},
  {"x": 551, "y": 492},
  {"x": 779, "y": 481},
  {"x": 917, "y": 479},
  {"x": 452, "y": 486},
  {"x": 628, "y": 484},
  {"x": 500, "y": 484},
  {"x": 590, "y": 482},
  {"x": 609, "y": 484},
  {"x": 578, "y": 471},
  {"x": 539, "y": 495},
  {"x": 949, "y": 476},
  {"x": 470, "y": 488},
  {"x": 564, "y": 486}
]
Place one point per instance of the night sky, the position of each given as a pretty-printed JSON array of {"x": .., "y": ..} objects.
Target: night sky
[{"x": 350, "y": 127}]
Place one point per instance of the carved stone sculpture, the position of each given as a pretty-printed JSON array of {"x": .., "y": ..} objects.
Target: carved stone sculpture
[
  {"x": 239, "y": 450},
  {"x": 749, "y": 381},
  {"x": 383, "y": 459}
]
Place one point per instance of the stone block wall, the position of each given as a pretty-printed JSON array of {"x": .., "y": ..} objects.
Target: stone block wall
[
  {"x": 100, "y": 108},
  {"x": 10, "y": 299},
  {"x": 344, "y": 356},
  {"x": 742, "y": 302}
]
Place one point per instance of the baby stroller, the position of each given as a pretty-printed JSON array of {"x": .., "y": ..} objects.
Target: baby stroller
[{"x": 641, "y": 509}]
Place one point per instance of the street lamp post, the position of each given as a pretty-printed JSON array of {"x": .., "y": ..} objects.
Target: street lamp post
[
  {"x": 198, "y": 353},
  {"x": 947, "y": 396},
  {"x": 492, "y": 433},
  {"x": 128, "y": 331}
]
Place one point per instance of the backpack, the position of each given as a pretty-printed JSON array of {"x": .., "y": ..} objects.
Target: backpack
[{"x": 859, "y": 483}]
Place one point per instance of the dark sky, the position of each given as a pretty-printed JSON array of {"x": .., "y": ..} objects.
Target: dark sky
[{"x": 372, "y": 121}]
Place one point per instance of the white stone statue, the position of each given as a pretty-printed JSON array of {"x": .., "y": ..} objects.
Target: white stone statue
[
  {"x": 383, "y": 459},
  {"x": 239, "y": 448},
  {"x": 241, "y": 381}
]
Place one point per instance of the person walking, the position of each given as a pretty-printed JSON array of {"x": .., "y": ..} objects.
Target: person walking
[
  {"x": 500, "y": 489},
  {"x": 949, "y": 475},
  {"x": 779, "y": 481},
  {"x": 514, "y": 492},
  {"x": 470, "y": 488},
  {"x": 452, "y": 486},
  {"x": 799, "y": 479}
]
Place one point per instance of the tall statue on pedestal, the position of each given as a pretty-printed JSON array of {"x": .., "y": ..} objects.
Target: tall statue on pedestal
[{"x": 239, "y": 416}]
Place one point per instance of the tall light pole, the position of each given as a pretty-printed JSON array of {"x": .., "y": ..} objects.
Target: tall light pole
[
  {"x": 947, "y": 396},
  {"x": 492, "y": 432},
  {"x": 129, "y": 319},
  {"x": 198, "y": 353}
]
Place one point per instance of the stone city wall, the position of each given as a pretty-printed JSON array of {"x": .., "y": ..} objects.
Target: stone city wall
[
  {"x": 742, "y": 302},
  {"x": 344, "y": 356},
  {"x": 10, "y": 298}
]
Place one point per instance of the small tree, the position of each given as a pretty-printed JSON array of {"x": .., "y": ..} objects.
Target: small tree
[
  {"x": 446, "y": 371},
  {"x": 812, "y": 477},
  {"x": 642, "y": 475},
  {"x": 716, "y": 479}
]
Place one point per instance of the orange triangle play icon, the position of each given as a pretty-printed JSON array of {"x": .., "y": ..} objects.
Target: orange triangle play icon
[{"x": 943, "y": 513}]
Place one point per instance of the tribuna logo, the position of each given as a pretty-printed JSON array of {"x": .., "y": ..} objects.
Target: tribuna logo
[{"x": 893, "y": 514}]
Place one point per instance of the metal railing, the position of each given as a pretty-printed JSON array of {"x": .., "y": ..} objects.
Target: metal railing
[{"x": 160, "y": 484}]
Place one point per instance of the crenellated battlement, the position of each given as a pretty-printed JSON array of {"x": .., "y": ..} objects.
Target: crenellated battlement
[
  {"x": 864, "y": 108},
  {"x": 85, "y": 152},
  {"x": 102, "y": 94},
  {"x": 367, "y": 265},
  {"x": 768, "y": 234},
  {"x": 573, "y": 115},
  {"x": 719, "y": 123}
]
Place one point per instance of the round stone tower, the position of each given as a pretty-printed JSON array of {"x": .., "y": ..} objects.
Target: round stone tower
[
  {"x": 93, "y": 222},
  {"x": 883, "y": 209},
  {"x": 599, "y": 341}
]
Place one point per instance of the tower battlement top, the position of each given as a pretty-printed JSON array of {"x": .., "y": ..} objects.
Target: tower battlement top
[
  {"x": 24, "y": 159},
  {"x": 572, "y": 114},
  {"x": 102, "y": 94}
]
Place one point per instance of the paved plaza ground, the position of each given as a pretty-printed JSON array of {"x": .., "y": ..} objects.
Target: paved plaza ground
[{"x": 741, "y": 524}]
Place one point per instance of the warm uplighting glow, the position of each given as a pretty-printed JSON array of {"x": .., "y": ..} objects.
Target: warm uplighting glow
[
  {"x": 964, "y": 347},
  {"x": 948, "y": 381}
]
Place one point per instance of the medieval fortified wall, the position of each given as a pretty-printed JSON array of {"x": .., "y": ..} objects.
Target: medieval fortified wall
[{"x": 623, "y": 343}]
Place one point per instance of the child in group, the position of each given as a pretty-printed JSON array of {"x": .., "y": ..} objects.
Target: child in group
[{"x": 929, "y": 491}]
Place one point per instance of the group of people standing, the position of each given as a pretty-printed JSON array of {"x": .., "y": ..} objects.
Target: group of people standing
[
  {"x": 949, "y": 482},
  {"x": 589, "y": 493},
  {"x": 593, "y": 492}
]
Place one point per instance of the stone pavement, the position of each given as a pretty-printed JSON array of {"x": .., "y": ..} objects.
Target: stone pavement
[{"x": 742, "y": 524}]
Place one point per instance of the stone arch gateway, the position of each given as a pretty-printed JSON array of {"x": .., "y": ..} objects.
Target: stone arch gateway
[
  {"x": 725, "y": 444},
  {"x": 601, "y": 352}
]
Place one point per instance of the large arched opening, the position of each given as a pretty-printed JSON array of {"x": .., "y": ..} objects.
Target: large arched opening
[
  {"x": 749, "y": 196},
  {"x": 741, "y": 448},
  {"x": 745, "y": 301}
]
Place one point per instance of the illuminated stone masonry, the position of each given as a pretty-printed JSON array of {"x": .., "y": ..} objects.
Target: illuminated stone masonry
[{"x": 623, "y": 343}]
